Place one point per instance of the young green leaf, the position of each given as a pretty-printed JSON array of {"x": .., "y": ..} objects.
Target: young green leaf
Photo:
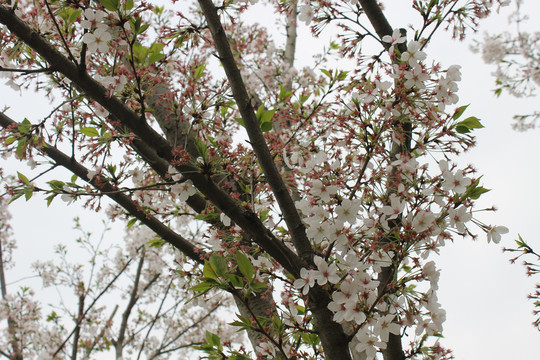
[
  {"x": 467, "y": 125},
  {"x": 459, "y": 111},
  {"x": 219, "y": 263},
  {"x": 111, "y": 5},
  {"x": 209, "y": 272},
  {"x": 23, "y": 178},
  {"x": 245, "y": 266},
  {"x": 90, "y": 131}
]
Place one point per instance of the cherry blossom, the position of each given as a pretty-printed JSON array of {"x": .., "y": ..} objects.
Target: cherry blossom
[
  {"x": 395, "y": 208},
  {"x": 396, "y": 38},
  {"x": 415, "y": 78},
  {"x": 385, "y": 325},
  {"x": 494, "y": 233},
  {"x": 423, "y": 220},
  {"x": 369, "y": 343},
  {"x": 98, "y": 40},
  {"x": 347, "y": 211},
  {"x": 94, "y": 19},
  {"x": 413, "y": 55},
  {"x": 183, "y": 190},
  {"x": 306, "y": 280},
  {"x": 325, "y": 273},
  {"x": 458, "y": 217},
  {"x": 305, "y": 13}
]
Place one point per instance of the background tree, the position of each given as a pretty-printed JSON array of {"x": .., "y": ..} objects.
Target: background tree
[
  {"x": 516, "y": 55},
  {"x": 332, "y": 201},
  {"x": 123, "y": 298}
]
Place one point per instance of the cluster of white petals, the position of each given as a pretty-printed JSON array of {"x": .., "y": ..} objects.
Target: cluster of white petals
[{"x": 98, "y": 37}]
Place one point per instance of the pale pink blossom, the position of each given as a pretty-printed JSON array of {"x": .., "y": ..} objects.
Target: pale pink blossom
[
  {"x": 413, "y": 55},
  {"x": 457, "y": 182},
  {"x": 494, "y": 233},
  {"x": 325, "y": 273},
  {"x": 98, "y": 40},
  {"x": 305, "y": 13},
  {"x": 458, "y": 217},
  {"x": 423, "y": 220},
  {"x": 396, "y": 38},
  {"x": 395, "y": 208},
  {"x": 306, "y": 280},
  {"x": 93, "y": 19},
  {"x": 183, "y": 190}
]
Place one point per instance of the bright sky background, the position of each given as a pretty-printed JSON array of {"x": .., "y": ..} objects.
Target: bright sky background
[{"x": 488, "y": 315}]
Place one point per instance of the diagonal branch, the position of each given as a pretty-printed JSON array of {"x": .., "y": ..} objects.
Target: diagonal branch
[
  {"x": 123, "y": 200},
  {"x": 257, "y": 141},
  {"x": 376, "y": 17}
]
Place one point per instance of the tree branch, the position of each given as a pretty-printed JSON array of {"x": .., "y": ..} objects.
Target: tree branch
[
  {"x": 123, "y": 200},
  {"x": 376, "y": 17},
  {"x": 257, "y": 141}
]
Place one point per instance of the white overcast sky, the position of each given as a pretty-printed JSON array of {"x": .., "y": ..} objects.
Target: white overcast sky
[{"x": 488, "y": 314}]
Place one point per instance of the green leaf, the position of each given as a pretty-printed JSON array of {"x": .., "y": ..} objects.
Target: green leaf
[
  {"x": 74, "y": 15},
  {"x": 342, "y": 75},
  {"x": 24, "y": 127},
  {"x": 156, "y": 243},
  {"x": 310, "y": 339},
  {"x": 111, "y": 5},
  {"x": 152, "y": 58},
  {"x": 202, "y": 287},
  {"x": 244, "y": 323},
  {"x": 131, "y": 222},
  {"x": 264, "y": 117},
  {"x": 327, "y": 73},
  {"x": 140, "y": 53},
  {"x": 56, "y": 184},
  {"x": 128, "y": 5},
  {"x": 304, "y": 98},
  {"x": 240, "y": 121},
  {"x": 208, "y": 271},
  {"x": 267, "y": 116},
  {"x": 201, "y": 148},
  {"x": 283, "y": 93},
  {"x": 199, "y": 71},
  {"x": 213, "y": 339},
  {"x": 476, "y": 192},
  {"x": 23, "y": 178},
  {"x": 50, "y": 198},
  {"x": 259, "y": 113},
  {"x": 29, "y": 192},
  {"x": 467, "y": 125},
  {"x": 143, "y": 28},
  {"x": 219, "y": 263},
  {"x": 10, "y": 140},
  {"x": 90, "y": 131},
  {"x": 266, "y": 126},
  {"x": 245, "y": 266},
  {"x": 21, "y": 147},
  {"x": 235, "y": 280},
  {"x": 459, "y": 111},
  {"x": 16, "y": 196},
  {"x": 154, "y": 53}
]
